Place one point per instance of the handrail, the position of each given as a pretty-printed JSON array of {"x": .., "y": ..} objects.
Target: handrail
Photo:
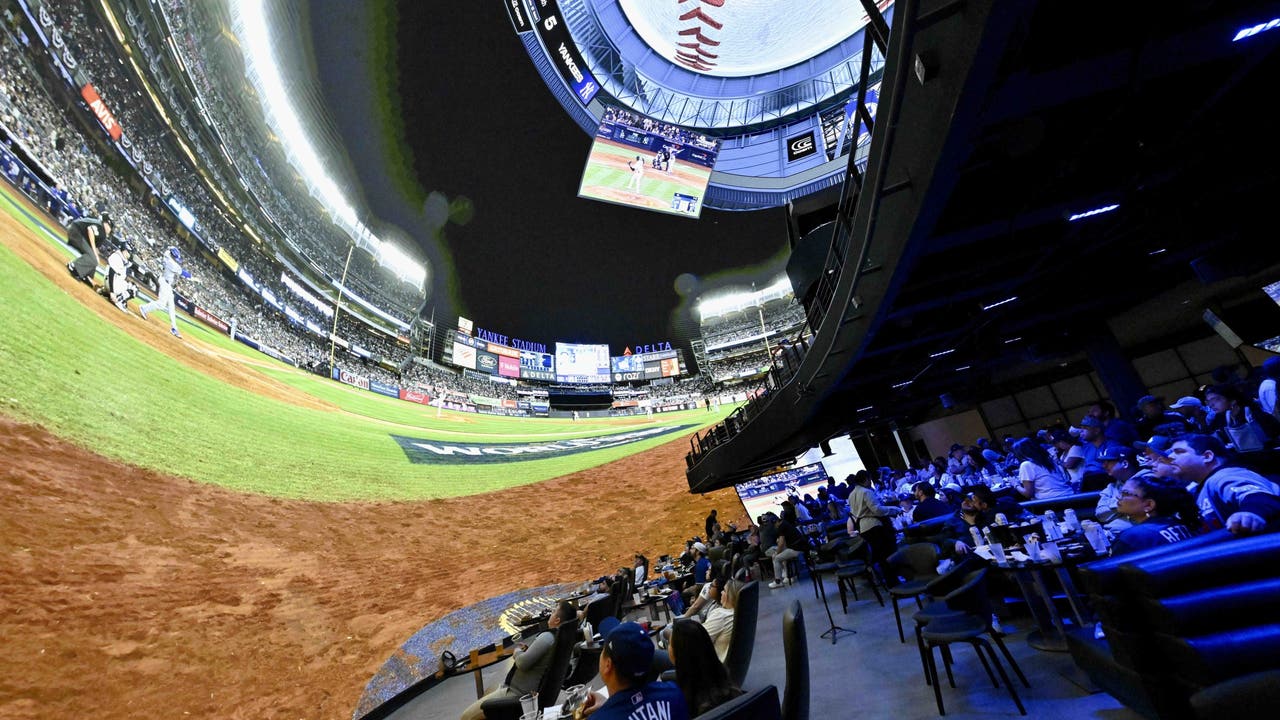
[{"x": 786, "y": 364}]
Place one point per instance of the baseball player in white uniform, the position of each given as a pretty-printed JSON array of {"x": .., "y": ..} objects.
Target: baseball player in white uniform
[
  {"x": 164, "y": 300},
  {"x": 637, "y": 173}
]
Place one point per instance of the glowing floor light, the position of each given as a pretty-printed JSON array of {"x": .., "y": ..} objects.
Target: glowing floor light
[
  {"x": 1255, "y": 29},
  {"x": 1091, "y": 213}
]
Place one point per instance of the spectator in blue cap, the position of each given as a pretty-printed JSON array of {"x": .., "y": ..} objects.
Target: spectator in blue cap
[{"x": 625, "y": 661}]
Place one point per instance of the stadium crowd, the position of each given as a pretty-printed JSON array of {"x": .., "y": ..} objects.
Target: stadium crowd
[{"x": 146, "y": 177}]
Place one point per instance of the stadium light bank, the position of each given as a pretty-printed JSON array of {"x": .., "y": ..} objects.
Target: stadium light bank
[
  {"x": 250, "y": 22},
  {"x": 719, "y": 305}
]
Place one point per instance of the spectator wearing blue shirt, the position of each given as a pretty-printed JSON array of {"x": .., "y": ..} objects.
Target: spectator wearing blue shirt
[
  {"x": 701, "y": 565},
  {"x": 625, "y": 660}
]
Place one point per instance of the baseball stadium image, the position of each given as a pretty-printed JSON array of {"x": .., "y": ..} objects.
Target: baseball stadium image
[{"x": 333, "y": 384}]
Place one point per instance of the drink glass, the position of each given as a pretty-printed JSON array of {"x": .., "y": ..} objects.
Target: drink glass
[
  {"x": 997, "y": 552},
  {"x": 529, "y": 703}
]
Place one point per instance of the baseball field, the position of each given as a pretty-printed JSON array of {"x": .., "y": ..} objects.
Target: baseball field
[
  {"x": 192, "y": 529},
  {"x": 607, "y": 175}
]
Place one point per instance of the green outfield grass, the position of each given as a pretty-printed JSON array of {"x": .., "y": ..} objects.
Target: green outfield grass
[{"x": 85, "y": 379}]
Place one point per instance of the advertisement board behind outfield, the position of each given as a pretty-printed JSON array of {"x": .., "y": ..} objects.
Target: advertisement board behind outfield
[
  {"x": 414, "y": 396},
  {"x": 384, "y": 389},
  {"x": 211, "y": 319},
  {"x": 345, "y": 377}
]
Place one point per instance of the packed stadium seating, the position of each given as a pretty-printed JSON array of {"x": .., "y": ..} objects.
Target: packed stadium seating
[{"x": 57, "y": 154}]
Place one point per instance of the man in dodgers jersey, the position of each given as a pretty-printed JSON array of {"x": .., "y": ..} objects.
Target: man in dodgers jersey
[
  {"x": 169, "y": 274},
  {"x": 624, "y": 661}
]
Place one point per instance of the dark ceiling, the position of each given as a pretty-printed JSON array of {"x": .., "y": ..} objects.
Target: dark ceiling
[{"x": 1160, "y": 113}]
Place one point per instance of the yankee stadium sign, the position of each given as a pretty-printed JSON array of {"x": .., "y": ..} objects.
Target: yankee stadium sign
[{"x": 435, "y": 452}]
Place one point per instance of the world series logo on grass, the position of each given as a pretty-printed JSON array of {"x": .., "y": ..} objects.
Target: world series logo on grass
[{"x": 430, "y": 452}]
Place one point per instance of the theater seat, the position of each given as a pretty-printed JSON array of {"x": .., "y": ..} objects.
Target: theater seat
[
  {"x": 1085, "y": 504},
  {"x": 743, "y": 639},
  {"x": 1249, "y": 696},
  {"x": 760, "y": 704},
  {"x": 1181, "y": 619}
]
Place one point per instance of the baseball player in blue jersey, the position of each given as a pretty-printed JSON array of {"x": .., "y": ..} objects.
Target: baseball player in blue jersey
[{"x": 164, "y": 300}]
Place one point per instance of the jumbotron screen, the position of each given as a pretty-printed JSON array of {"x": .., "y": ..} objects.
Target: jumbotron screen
[
  {"x": 766, "y": 493},
  {"x": 646, "y": 366},
  {"x": 644, "y": 163},
  {"x": 582, "y": 364}
]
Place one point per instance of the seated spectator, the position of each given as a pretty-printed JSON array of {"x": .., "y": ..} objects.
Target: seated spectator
[
  {"x": 1192, "y": 412},
  {"x": 625, "y": 658},
  {"x": 1267, "y": 388},
  {"x": 1113, "y": 428},
  {"x": 791, "y": 544},
  {"x": 1159, "y": 510},
  {"x": 528, "y": 663},
  {"x": 1227, "y": 496},
  {"x": 1121, "y": 464},
  {"x": 1239, "y": 421},
  {"x": 1039, "y": 477},
  {"x": 927, "y": 504},
  {"x": 641, "y": 565},
  {"x": 977, "y": 510},
  {"x": 700, "y": 670},
  {"x": 719, "y": 620},
  {"x": 1069, "y": 455},
  {"x": 1153, "y": 413}
]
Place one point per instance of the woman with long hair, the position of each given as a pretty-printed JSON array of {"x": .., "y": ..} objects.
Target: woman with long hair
[
  {"x": 702, "y": 678},
  {"x": 1039, "y": 476}
]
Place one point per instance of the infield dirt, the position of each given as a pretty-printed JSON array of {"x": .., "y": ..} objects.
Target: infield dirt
[{"x": 125, "y": 593}]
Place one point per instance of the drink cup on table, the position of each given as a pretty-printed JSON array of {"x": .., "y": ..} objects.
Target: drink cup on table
[
  {"x": 1051, "y": 552},
  {"x": 997, "y": 553}
]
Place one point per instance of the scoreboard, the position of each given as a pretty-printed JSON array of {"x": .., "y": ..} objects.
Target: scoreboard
[
  {"x": 645, "y": 366},
  {"x": 571, "y": 364}
]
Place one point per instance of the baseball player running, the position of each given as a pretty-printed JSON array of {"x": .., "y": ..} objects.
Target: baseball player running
[{"x": 164, "y": 299}]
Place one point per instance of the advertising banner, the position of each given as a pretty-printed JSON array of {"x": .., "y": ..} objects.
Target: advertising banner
[
  {"x": 464, "y": 356},
  {"x": 564, "y": 54},
  {"x": 210, "y": 319},
  {"x": 508, "y": 366},
  {"x": 226, "y": 258},
  {"x": 384, "y": 389},
  {"x": 414, "y": 396},
  {"x": 801, "y": 146},
  {"x": 100, "y": 111},
  {"x": 497, "y": 349},
  {"x": 356, "y": 380},
  {"x": 519, "y": 20},
  {"x": 486, "y": 362}
]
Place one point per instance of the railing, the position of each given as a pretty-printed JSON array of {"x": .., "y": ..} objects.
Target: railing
[{"x": 786, "y": 363}]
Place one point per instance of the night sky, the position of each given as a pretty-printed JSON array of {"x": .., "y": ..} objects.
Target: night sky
[{"x": 535, "y": 262}]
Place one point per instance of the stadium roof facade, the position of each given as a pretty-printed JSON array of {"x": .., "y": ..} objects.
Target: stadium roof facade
[{"x": 772, "y": 80}]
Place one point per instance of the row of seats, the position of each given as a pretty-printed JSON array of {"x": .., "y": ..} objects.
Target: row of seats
[{"x": 1190, "y": 628}]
